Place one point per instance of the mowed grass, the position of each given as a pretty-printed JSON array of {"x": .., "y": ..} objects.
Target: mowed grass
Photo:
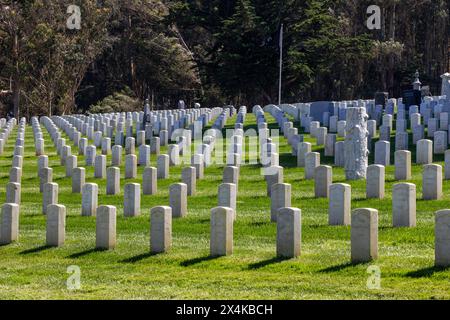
[{"x": 29, "y": 270}]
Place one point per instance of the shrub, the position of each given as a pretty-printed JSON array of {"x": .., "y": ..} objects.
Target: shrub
[{"x": 122, "y": 101}]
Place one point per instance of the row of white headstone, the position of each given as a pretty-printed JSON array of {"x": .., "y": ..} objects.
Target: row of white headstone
[
  {"x": 279, "y": 210},
  {"x": 106, "y": 219},
  {"x": 6, "y": 128}
]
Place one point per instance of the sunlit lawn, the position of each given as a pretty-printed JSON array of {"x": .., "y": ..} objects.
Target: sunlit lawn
[{"x": 30, "y": 270}]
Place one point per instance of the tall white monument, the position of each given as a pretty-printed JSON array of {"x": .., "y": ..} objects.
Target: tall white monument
[{"x": 355, "y": 146}]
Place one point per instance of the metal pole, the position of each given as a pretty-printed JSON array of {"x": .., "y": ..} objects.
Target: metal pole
[{"x": 281, "y": 64}]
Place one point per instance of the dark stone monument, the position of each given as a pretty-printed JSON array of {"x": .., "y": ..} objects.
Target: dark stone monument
[
  {"x": 318, "y": 108},
  {"x": 381, "y": 98},
  {"x": 413, "y": 97}
]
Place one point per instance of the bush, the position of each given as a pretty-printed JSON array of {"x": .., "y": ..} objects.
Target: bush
[{"x": 122, "y": 101}]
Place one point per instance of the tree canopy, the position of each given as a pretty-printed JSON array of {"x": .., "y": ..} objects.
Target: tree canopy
[{"x": 215, "y": 52}]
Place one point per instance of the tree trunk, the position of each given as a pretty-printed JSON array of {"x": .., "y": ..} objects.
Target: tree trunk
[
  {"x": 390, "y": 76},
  {"x": 70, "y": 103},
  {"x": 49, "y": 106},
  {"x": 16, "y": 96},
  {"x": 355, "y": 145},
  {"x": 133, "y": 81},
  {"x": 16, "y": 78}
]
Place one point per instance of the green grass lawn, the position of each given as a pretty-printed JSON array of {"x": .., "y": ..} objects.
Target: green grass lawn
[{"x": 29, "y": 270}]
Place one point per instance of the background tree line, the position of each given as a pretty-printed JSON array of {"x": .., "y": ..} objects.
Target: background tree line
[{"x": 213, "y": 51}]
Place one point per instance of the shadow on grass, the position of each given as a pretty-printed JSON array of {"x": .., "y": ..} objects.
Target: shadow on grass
[
  {"x": 309, "y": 198},
  {"x": 85, "y": 253},
  {"x": 191, "y": 262},
  {"x": 318, "y": 226},
  {"x": 36, "y": 250},
  {"x": 361, "y": 199},
  {"x": 264, "y": 263},
  {"x": 341, "y": 267},
  {"x": 253, "y": 166},
  {"x": 287, "y": 160},
  {"x": 261, "y": 223},
  {"x": 392, "y": 228},
  {"x": 343, "y": 180},
  {"x": 139, "y": 257},
  {"x": 426, "y": 272}
]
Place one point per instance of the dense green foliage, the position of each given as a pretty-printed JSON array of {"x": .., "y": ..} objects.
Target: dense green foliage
[
  {"x": 217, "y": 51},
  {"x": 329, "y": 51},
  {"x": 119, "y": 44},
  {"x": 118, "y": 102}
]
